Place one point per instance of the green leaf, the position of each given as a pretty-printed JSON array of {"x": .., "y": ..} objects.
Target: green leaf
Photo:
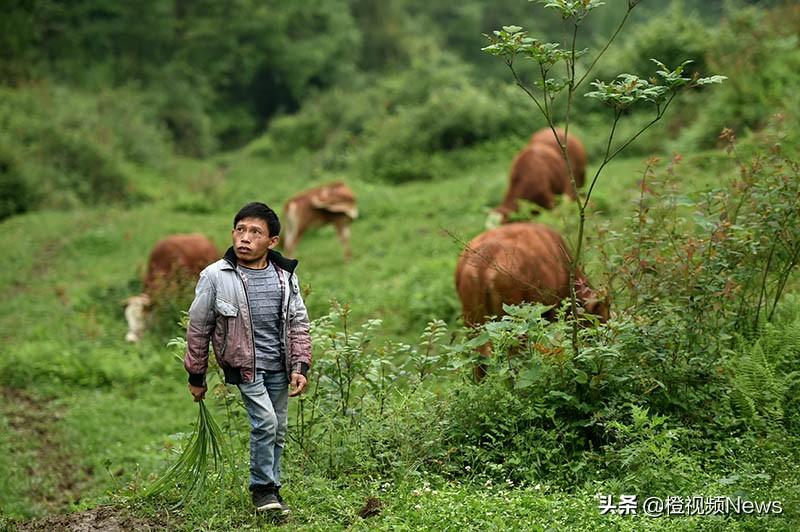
[
  {"x": 709, "y": 80},
  {"x": 528, "y": 377}
]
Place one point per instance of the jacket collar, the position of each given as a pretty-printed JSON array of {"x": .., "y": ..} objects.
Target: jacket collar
[{"x": 272, "y": 256}]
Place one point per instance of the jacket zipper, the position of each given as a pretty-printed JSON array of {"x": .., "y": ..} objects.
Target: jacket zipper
[
  {"x": 285, "y": 326},
  {"x": 249, "y": 315}
]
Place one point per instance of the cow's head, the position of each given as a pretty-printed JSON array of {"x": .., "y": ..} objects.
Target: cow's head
[{"x": 135, "y": 312}]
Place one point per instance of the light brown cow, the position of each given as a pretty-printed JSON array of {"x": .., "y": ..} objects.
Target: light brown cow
[
  {"x": 538, "y": 173},
  {"x": 575, "y": 151},
  {"x": 333, "y": 204},
  {"x": 515, "y": 263},
  {"x": 174, "y": 260}
]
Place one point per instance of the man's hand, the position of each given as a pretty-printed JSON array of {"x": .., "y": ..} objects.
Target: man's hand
[
  {"x": 298, "y": 384},
  {"x": 198, "y": 392}
]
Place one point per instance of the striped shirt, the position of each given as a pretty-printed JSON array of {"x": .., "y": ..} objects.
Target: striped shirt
[{"x": 264, "y": 296}]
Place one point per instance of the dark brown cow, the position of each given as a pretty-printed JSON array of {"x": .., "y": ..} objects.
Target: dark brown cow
[
  {"x": 515, "y": 263},
  {"x": 174, "y": 259},
  {"x": 333, "y": 204},
  {"x": 538, "y": 173},
  {"x": 575, "y": 151}
]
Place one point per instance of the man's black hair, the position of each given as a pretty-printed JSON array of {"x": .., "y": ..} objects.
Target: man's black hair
[{"x": 261, "y": 211}]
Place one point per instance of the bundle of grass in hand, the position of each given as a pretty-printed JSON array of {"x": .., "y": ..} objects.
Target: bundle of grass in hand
[{"x": 189, "y": 474}]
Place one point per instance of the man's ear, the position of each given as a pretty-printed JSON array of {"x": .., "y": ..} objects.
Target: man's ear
[{"x": 273, "y": 242}]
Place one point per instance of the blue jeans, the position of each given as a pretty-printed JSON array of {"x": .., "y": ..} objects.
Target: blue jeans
[{"x": 266, "y": 400}]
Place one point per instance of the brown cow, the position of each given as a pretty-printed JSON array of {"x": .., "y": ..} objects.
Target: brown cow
[
  {"x": 176, "y": 258},
  {"x": 333, "y": 204},
  {"x": 538, "y": 173},
  {"x": 575, "y": 151},
  {"x": 515, "y": 263}
]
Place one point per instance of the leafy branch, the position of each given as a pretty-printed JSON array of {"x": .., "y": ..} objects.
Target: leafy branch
[{"x": 621, "y": 94}]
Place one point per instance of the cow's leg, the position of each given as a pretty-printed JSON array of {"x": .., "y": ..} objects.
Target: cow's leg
[
  {"x": 343, "y": 231},
  {"x": 296, "y": 224},
  {"x": 289, "y": 229}
]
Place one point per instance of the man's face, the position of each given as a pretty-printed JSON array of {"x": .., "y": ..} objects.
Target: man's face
[{"x": 251, "y": 240}]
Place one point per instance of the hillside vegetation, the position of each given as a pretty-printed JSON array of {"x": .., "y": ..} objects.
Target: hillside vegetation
[{"x": 691, "y": 389}]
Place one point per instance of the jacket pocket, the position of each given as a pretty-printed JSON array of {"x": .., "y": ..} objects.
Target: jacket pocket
[{"x": 228, "y": 313}]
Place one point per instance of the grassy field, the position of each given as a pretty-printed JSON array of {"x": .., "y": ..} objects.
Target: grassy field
[{"x": 111, "y": 409}]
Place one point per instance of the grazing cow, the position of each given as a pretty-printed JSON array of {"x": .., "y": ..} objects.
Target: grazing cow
[
  {"x": 333, "y": 204},
  {"x": 515, "y": 263},
  {"x": 575, "y": 151},
  {"x": 174, "y": 259},
  {"x": 538, "y": 173}
]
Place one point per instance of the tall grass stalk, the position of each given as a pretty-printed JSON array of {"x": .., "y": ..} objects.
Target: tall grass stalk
[{"x": 202, "y": 458}]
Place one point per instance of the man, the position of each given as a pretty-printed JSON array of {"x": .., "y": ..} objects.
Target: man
[{"x": 248, "y": 304}]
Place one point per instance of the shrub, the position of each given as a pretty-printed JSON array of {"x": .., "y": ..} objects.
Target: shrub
[
  {"x": 355, "y": 418},
  {"x": 738, "y": 248},
  {"x": 72, "y": 148},
  {"x": 646, "y": 456},
  {"x": 450, "y": 117},
  {"x": 758, "y": 52},
  {"x": 181, "y": 107},
  {"x": 16, "y": 191},
  {"x": 390, "y": 130},
  {"x": 84, "y": 170},
  {"x": 671, "y": 37}
]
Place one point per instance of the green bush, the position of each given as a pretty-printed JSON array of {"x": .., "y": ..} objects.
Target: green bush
[
  {"x": 17, "y": 194},
  {"x": 356, "y": 418},
  {"x": 646, "y": 455},
  {"x": 758, "y": 52},
  {"x": 671, "y": 37},
  {"x": 450, "y": 117},
  {"x": 738, "y": 249},
  {"x": 390, "y": 130},
  {"x": 181, "y": 106},
  {"x": 332, "y": 120},
  {"x": 63, "y": 148},
  {"x": 79, "y": 168},
  {"x": 496, "y": 432}
]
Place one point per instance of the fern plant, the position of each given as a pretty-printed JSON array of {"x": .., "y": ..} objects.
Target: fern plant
[{"x": 757, "y": 392}]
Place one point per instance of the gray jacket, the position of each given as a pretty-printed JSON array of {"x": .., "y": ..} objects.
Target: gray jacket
[{"x": 220, "y": 313}]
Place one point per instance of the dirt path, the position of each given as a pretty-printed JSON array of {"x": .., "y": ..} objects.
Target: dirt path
[
  {"x": 53, "y": 479},
  {"x": 106, "y": 518}
]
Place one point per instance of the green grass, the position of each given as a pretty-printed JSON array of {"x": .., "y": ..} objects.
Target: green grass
[{"x": 64, "y": 275}]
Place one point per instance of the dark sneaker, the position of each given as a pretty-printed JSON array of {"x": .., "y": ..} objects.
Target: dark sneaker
[
  {"x": 264, "y": 498},
  {"x": 284, "y": 509}
]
